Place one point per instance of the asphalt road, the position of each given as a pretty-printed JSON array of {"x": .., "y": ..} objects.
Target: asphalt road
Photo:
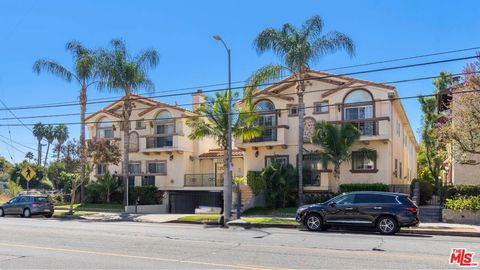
[{"x": 41, "y": 243}]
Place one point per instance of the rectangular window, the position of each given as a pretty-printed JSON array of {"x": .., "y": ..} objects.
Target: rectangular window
[
  {"x": 396, "y": 168},
  {"x": 292, "y": 110},
  {"x": 148, "y": 180},
  {"x": 363, "y": 161},
  {"x": 157, "y": 167},
  {"x": 320, "y": 107},
  {"x": 400, "y": 170},
  {"x": 101, "y": 169},
  {"x": 281, "y": 159},
  {"x": 131, "y": 181},
  {"x": 358, "y": 113},
  {"x": 140, "y": 124},
  {"x": 311, "y": 170},
  {"x": 134, "y": 167},
  {"x": 105, "y": 133}
]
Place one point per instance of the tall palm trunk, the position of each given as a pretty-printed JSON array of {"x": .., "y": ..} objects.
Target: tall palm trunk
[
  {"x": 127, "y": 110},
  {"x": 301, "y": 113},
  {"x": 58, "y": 150},
  {"x": 46, "y": 155},
  {"x": 83, "y": 156},
  {"x": 336, "y": 177},
  {"x": 39, "y": 154}
]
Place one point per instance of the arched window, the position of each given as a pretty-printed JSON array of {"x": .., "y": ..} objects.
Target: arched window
[
  {"x": 164, "y": 130},
  {"x": 104, "y": 128},
  {"x": 357, "y": 106},
  {"x": 267, "y": 120}
]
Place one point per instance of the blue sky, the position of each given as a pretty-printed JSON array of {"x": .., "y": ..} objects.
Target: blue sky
[{"x": 182, "y": 32}]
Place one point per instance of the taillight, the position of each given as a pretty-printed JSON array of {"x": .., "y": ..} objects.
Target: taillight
[
  {"x": 411, "y": 209},
  {"x": 35, "y": 204}
]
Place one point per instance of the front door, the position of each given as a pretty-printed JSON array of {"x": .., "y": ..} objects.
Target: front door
[
  {"x": 10, "y": 207},
  {"x": 219, "y": 173}
]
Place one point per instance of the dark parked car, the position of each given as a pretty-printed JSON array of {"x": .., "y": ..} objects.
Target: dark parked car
[
  {"x": 27, "y": 205},
  {"x": 386, "y": 211}
]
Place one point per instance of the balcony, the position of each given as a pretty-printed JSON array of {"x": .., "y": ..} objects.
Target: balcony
[
  {"x": 164, "y": 143},
  {"x": 271, "y": 136},
  {"x": 370, "y": 128},
  {"x": 203, "y": 180}
]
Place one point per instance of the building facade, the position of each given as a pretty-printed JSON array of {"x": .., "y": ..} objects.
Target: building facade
[
  {"x": 372, "y": 107},
  {"x": 191, "y": 172}
]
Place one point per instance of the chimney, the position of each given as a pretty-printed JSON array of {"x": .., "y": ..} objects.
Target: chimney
[{"x": 197, "y": 99}]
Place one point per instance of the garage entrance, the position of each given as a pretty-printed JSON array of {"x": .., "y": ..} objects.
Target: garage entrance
[{"x": 185, "y": 202}]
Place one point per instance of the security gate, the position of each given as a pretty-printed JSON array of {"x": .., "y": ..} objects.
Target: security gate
[{"x": 185, "y": 202}]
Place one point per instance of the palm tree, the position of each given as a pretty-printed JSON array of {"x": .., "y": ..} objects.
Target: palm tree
[
  {"x": 50, "y": 136},
  {"x": 39, "y": 133},
  {"x": 29, "y": 156},
  {"x": 84, "y": 73},
  {"x": 212, "y": 121},
  {"x": 297, "y": 49},
  {"x": 61, "y": 134},
  {"x": 335, "y": 141},
  {"x": 122, "y": 73}
]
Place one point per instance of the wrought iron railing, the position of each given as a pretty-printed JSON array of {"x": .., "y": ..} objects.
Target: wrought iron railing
[{"x": 203, "y": 180}]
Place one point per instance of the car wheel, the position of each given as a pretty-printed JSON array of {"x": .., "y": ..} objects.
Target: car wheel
[
  {"x": 314, "y": 222},
  {"x": 1, "y": 212},
  {"x": 387, "y": 225},
  {"x": 27, "y": 213}
]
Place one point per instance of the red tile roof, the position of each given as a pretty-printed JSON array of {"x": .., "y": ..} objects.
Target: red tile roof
[{"x": 218, "y": 153}]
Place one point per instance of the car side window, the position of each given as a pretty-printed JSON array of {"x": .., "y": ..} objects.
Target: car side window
[
  {"x": 14, "y": 200},
  {"x": 347, "y": 199},
  {"x": 364, "y": 198}
]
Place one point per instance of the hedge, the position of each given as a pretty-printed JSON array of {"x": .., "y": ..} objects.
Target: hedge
[
  {"x": 146, "y": 195},
  {"x": 312, "y": 198},
  {"x": 364, "y": 187},
  {"x": 461, "y": 191},
  {"x": 256, "y": 181},
  {"x": 463, "y": 203}
]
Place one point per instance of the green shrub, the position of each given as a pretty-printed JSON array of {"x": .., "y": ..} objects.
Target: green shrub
[
  {"x": 312, "y": 198},
  {"x": 426, "y": 190},
  {"x": 280, "y": 182},
  {"x": 56, "y": 198},
  {"x": 145, "y": 195},
  {"x": 463, "y": 203},
  {"x": 363, "y": 187},
  {"x": 461, "y": 191},
  {"x": 256, "y": 182}
]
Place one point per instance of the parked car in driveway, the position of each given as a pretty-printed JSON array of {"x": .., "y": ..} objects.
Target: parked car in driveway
[
  {"x": 27, "y": 205},
  {"x": 386, "y": 211}
]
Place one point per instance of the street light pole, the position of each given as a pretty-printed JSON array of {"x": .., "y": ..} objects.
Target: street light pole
[{"x": 227, "y": 184}]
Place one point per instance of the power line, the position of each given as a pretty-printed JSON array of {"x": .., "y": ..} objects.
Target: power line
[
  {"x": 19, "y": 143},
  {"x": 240, "y": 99},
  {"x": 276, "y": 110},
  {"x": 245, "y": 81},
  {"x": 13, "y": 147},
  {"x": 259, "y": 85}
]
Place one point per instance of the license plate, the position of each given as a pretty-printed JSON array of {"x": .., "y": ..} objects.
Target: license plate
[{"x": 47, "y": 210}]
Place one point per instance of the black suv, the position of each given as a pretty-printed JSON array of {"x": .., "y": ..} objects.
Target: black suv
[{"x": 386, "y": 211}]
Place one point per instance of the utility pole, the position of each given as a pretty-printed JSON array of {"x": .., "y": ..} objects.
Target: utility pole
[{"x": 227, "y": 184}]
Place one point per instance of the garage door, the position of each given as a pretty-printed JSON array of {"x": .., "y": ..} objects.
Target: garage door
[{"x": 185, "y": 202}]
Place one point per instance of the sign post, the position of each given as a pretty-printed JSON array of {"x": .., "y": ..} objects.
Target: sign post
[{"x": 28, "y": 173}]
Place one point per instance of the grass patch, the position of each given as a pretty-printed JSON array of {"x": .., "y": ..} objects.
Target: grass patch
[
  {"x": 270, "y": 220},
  {"x": 92, "y": 206},
  {"x": 200, "y": 218},
  {"x": 75, "y": 214},
  {"x": 259, "y": 211}
]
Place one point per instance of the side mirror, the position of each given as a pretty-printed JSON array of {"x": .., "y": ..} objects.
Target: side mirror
[{"x": 333, "y": 204}]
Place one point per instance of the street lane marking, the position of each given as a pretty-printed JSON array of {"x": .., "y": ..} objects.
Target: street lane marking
[{"x": 235, "y": 266}]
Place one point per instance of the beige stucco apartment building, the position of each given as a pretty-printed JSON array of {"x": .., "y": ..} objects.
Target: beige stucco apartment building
[
  {"x": 192, "y": 171},
  {"x": 372, "y": 107}
]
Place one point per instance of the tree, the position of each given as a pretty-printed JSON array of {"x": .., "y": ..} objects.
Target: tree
[
  {"x": 279, "y": 183},
  {"x": 54, "y": 173},
  {"x": 85, "y": 74},
  {"x": 103, "y": 151},
  {"x": 335, "y": 141},
  {"x": 298, "y": 49},
  {"x": 122, "y": 73},
  {"x": 50, "y": 136},
  {"x": 71, "y": 156},
  {"x": 105, "y": 185},
  {"x": 433, "y": 150},
  {"x": 75, "y": 182},
  {"x": 39, "y": 133},
  {"x": 462, "y": 125},
  {"x": 61, "y": 134},
  {"x": 29, "y": 156},
  {"x": 211, "y": 120}
]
